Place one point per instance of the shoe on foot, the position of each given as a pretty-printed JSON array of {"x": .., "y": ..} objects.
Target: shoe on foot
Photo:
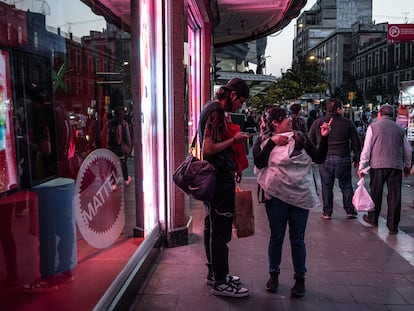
[
  {"x": 393, "y": 231},
  {"x": 351, "y": 215},
  {"x": 230, "y": 278},
  {"x": 229, "y": 289},
  {"x": 210, "y": 275},
  {"x": 326, "y": 216},
  {"x": 368, "y": 220},
  {"x": 273, "y": 282},
  {"x": 298, "y": 289},
  {"x": 64, "y": 277},
  {"x": 40, "y": 286}
]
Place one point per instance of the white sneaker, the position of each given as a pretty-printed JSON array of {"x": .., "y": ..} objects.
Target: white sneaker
[
  {"x": 230, "y": 278},
  {"x": 229, "y": 289}
]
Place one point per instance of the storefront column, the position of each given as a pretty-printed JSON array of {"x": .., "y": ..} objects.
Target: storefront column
[
  {"x": 136, "y": 96},
  {"x": 177, "y": 230}
]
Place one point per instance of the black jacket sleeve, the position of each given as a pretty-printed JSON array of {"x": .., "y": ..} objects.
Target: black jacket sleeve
[
  {"x": 261, "y": 156},
  {"x": 317, "y": 152}
]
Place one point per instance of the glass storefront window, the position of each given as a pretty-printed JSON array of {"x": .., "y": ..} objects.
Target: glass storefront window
[{"x": 65, "y": 100}]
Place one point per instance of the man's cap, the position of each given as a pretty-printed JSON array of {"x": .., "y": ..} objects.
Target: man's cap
[{"x": 239, "y": 86}]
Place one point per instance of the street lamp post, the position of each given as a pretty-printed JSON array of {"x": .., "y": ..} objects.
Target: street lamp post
[{"x": 322, "y": 60}]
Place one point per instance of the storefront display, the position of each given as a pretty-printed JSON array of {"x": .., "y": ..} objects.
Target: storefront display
[
  {"x": 8, "y": 169},
  {"x": 405, "y": 116}
]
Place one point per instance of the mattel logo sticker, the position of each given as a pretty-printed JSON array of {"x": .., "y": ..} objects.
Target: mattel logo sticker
[{"x": 99, "y": 199}]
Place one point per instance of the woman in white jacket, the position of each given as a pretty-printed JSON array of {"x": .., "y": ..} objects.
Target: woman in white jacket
[{"x": 283, "y": 160}]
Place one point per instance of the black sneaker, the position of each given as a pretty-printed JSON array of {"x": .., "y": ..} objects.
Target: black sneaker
[
  {"x": 298, "y": 289},
  {"x": 368, "y": 220},
  {"x": 273, "y": 282},
  {"x": 393, "y": 232},
  {"x": 229, "y": 289}
]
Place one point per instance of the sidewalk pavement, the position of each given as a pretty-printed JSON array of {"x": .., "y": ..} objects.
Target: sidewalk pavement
[{"x": 351, "y": 266}]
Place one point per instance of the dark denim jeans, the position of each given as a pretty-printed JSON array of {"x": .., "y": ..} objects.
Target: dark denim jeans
[
  {"x": 279, "y": 215},
  {"x": 218, "y": 224},
  {"x": 340, "y": 168}
]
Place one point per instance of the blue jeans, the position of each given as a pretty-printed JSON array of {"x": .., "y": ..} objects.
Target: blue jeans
[
  {"x": 336, "y": 167},
  {"x": 279, "y": 215}
]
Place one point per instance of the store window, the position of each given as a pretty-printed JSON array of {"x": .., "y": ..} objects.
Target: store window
[{"x": 65, "y": 125}]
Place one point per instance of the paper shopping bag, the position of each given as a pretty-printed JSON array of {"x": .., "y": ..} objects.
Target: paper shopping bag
[{"x": 243, "y": 220}]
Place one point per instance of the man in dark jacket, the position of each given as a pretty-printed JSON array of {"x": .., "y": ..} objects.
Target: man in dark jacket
[{"x": 342, "y": 139}]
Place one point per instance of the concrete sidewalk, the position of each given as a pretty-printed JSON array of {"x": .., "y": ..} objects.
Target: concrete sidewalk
[{"x": 350, "y": 267}]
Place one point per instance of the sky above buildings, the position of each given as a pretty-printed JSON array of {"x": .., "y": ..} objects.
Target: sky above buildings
[
  {"x": 279, "y": 45},
  {"x": 74, "y": 16}
]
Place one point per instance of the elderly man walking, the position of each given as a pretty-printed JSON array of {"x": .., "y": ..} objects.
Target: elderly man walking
[{"x": 388, "y": 153}]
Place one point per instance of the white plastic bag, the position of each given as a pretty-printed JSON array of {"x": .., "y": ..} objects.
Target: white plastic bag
[{"x": 361, "y": 199}]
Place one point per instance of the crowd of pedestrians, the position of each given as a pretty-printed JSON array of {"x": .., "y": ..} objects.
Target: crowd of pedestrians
[{"x": 284, "y": 150}]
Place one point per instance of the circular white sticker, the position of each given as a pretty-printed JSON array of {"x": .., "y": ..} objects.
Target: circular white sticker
[{"x": 99, "y": 199}]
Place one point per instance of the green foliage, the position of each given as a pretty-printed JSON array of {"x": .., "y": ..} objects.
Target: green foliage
[{"x": 305, "y": 76}]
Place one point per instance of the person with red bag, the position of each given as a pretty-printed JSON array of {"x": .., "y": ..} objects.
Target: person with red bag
[{"x": 220, "y": 139}]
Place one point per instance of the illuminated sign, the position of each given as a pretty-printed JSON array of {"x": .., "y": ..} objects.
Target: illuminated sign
[
  {"x": 400, "y": 33},
  {"x": 8, "y": 168},
  {"x": 99, "y": 199}
]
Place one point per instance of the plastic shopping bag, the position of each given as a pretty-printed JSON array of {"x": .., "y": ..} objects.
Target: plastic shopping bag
[{"x": 361, "y": 199}]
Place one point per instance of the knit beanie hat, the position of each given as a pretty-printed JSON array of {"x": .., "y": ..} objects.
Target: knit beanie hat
[{"x": 239, "y": 86}]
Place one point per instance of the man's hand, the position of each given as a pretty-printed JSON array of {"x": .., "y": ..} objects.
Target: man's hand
[
  {"x": 241, "y": 137},
  {"x": 326, "y": 128},
  {"x": 407, "y": 171},
  {"x": 238, "y": 177}
]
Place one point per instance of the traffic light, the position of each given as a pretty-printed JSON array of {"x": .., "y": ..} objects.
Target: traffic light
[{"x": 351, "y": 96}]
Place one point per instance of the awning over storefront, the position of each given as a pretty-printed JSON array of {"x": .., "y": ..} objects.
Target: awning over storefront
[
  {"x": 245, "y": 20},
  {"x": 233, "y": 20}
]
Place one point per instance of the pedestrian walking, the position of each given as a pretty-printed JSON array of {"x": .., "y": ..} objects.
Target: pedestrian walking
[
  {"x": 298, "y": 122},
  {"x": 287, "y": 200},
  {"x": 342, "y": 140},
  {"x": 219, "y": 137},
  {"x": 388, "y": 154},
  {"x": 311, "y": 118}
]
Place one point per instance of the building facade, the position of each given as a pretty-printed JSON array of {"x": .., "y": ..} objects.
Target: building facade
[
  {"x": 77, "y": 202},
  {"x": 358, "y": 62}
]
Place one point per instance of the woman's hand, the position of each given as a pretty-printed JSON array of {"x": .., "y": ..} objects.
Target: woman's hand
[
  {"x": 326, "y": 128},
  {"x": 280, "y": 140}
]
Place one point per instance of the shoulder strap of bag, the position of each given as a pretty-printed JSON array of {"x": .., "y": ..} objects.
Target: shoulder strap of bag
[{"x": 208, "y": 109}]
